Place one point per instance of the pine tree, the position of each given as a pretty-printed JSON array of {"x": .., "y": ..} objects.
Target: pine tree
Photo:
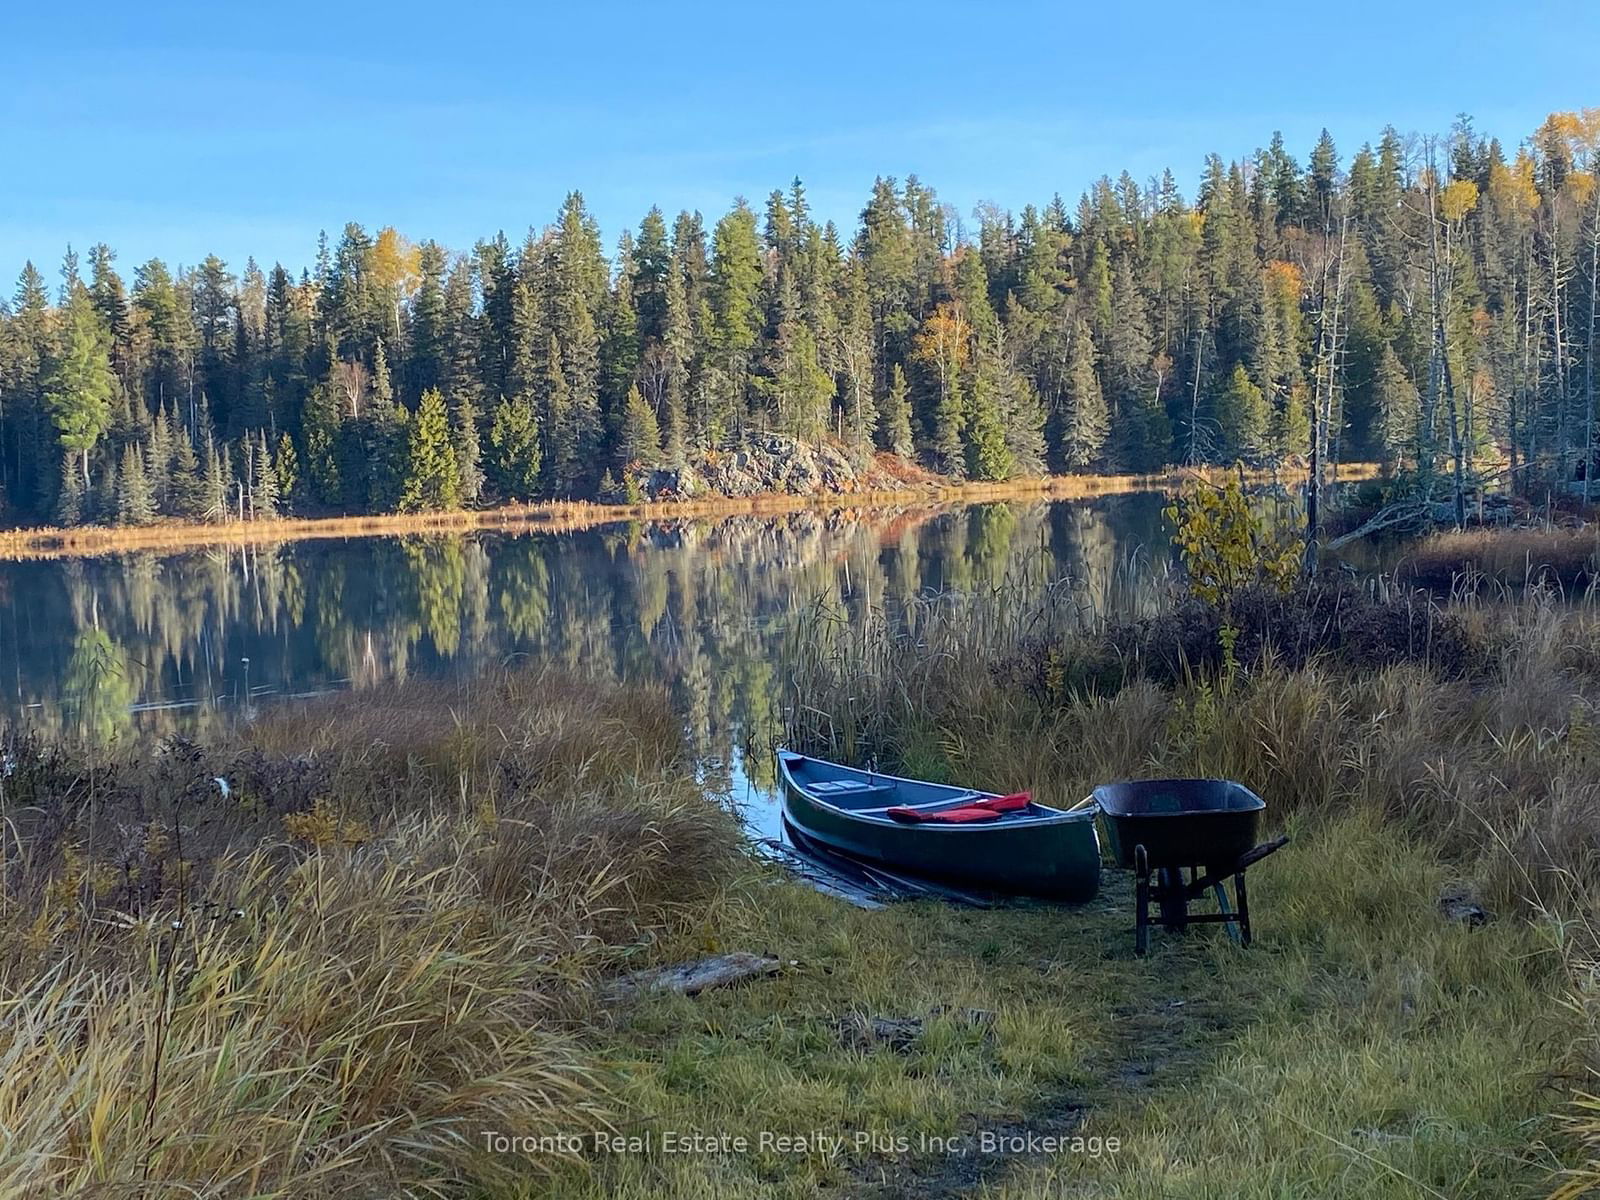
[{"x": 433, "y": 480}]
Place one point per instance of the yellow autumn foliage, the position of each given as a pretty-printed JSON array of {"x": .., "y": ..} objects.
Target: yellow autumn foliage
[
  {"x": 1513, "y": 186},
  {"x": 1226, "y": 545},
  {"x": 1458, "y": 199},
  {"x": 396, "y": 262}
]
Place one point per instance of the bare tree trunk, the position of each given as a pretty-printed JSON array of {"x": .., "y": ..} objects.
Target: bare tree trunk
[
  {"x": 1559, "y": 365},
  {"x": 1456, "y": 447},
  {"x": 1588, "y": 357},
  {"x": 1530, "y": 363},
  {"x": 1194, "y": 399},
  {"x": 1326, "y": 418},
  {"x": 1440, "y": 382}
]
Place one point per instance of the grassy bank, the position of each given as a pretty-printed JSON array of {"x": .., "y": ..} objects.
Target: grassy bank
[
  {"x": 1417, "y": 752},
  {"x": 395, "y": 932},
  {"x": 561, "y": 516},
  {"x": 334, "y": 975}
]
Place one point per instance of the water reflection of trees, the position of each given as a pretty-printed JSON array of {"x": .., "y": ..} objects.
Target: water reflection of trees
[{"x": 701, "y": 605}]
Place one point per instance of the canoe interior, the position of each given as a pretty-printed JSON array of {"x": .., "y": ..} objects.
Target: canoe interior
[{"x": 867, "y": 794}]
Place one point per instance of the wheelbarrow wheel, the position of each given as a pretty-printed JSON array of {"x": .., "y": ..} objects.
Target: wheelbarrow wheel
[{"x": 1174, "y": 901}]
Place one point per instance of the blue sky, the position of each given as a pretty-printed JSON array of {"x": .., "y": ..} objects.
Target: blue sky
[{"x": 178, "y": 129}]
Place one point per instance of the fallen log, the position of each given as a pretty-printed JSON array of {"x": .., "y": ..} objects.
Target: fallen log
[{"x": 692, "y": 978}]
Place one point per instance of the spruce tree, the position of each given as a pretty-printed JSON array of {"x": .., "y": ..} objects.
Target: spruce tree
[
  {"x": 79, "y": 388},
  {"x": 287, "y": 464},
  {"x": 1399, "y": 409},
  {"x": 947, "y": 435},
  {"x": 214, "y": 484},
  {"x": 677, "y": 350},
  {"x": 469, "y": 453},
  {"x": 70, "y": 499},
  {"x": 264, "y": 490},
  {"x": 1242, "y": 417},
  {"x": 322, "y": 434},
  {"x": 515, "y": 459},
  {"x": 135, "y": 505},
  {"x": 988, "y": 456},
  {"x": 894, "y": 422},
  {"x": 185, "y": 487},
  {"x": 638, "y": 436},
  {"x": 428, "y": 361},
  {"x": 1085, "y": 423},
  {"x": 433, "y": 480},
  {"x": 1291, "y": 424}
]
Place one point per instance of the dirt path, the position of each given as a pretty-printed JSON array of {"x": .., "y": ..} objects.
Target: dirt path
[{"x": 1169, "y": 1027}]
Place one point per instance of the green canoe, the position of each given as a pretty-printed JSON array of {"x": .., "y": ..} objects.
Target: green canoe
[{"x": 1031, "y": 851}]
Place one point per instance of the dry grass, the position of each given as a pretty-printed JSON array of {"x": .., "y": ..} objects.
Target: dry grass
[
  {"x": 1522, "y": 557},
  {"x": 339, "y": 975},
  {"x": 1488, "y": 751}
]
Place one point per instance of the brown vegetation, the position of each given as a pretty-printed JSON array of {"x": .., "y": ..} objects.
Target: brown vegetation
[
  {"x": 334, "y": 972},
  {"x": 1518, "y": 557}
]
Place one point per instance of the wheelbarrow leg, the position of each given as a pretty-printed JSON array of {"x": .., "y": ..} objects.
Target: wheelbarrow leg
[
  {"x": 1243, "y": 898},
  {"x": 1232, "y": 927},
  {"x": 1141, "y": 920}
]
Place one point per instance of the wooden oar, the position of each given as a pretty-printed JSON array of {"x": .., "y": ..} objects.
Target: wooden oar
[{"x": 1084, "y": 803}]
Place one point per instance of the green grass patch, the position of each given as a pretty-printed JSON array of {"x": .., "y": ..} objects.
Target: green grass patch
[{"x": 1363, "y": 1047}]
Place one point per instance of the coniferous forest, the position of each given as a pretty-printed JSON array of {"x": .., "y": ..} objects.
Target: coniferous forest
[{"x": 1429, "y": 301}]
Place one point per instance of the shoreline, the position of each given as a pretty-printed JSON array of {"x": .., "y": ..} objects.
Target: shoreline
[{"x": 566, "y": 516}]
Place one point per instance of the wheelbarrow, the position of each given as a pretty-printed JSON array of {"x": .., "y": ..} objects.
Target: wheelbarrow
[{"x": 1161, "y": 827}]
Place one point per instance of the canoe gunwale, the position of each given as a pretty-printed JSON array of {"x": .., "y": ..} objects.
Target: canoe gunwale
[{"x": 1048, "y": 817}]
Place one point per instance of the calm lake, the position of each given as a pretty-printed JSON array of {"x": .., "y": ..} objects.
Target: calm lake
[{"x": 145, "y": 643}]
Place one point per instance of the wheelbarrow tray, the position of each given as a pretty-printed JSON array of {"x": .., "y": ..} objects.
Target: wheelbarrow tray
[{"x": 1209, "y": 823}]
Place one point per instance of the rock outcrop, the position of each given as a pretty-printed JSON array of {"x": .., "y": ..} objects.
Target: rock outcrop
[{"x": 766, "y": 463}]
